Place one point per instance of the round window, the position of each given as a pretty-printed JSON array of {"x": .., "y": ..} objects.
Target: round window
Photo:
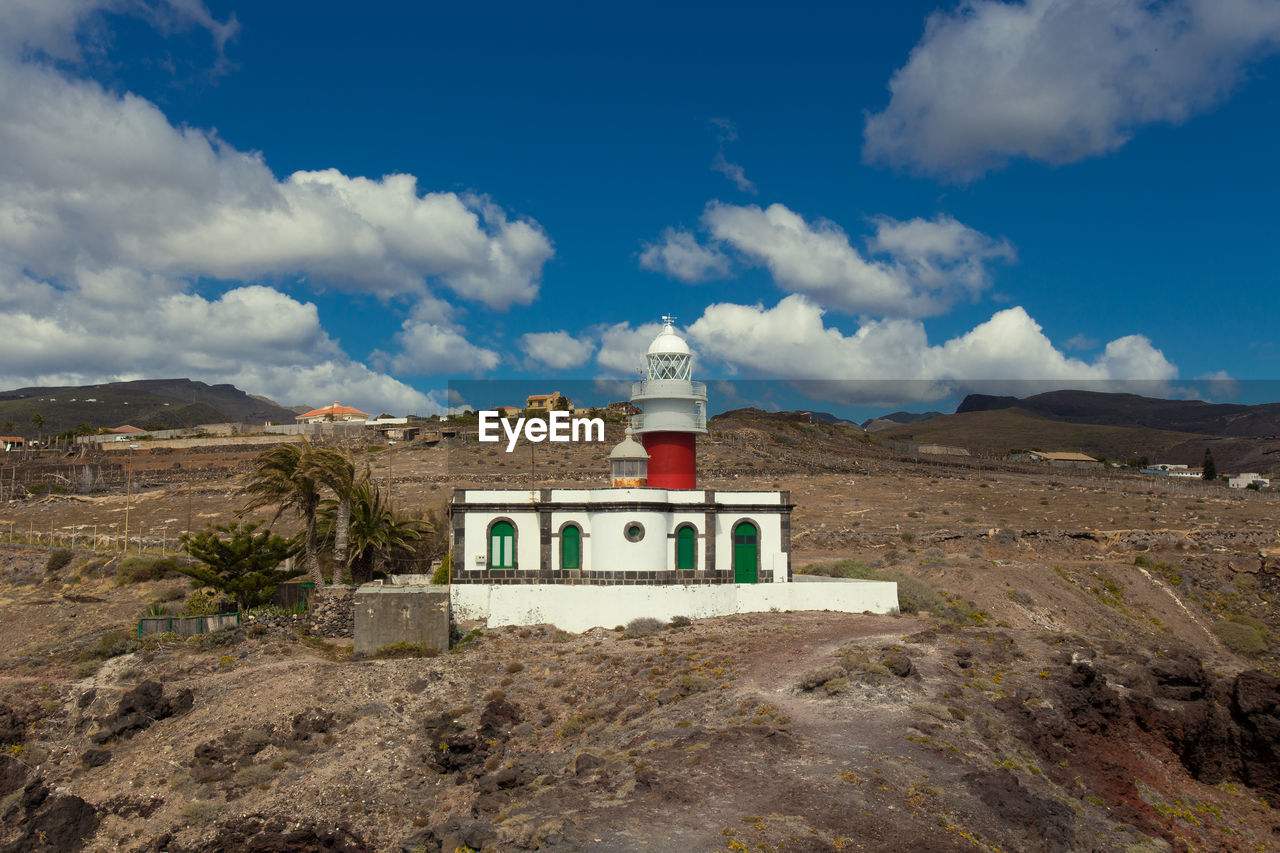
[{"x": 634, "y": 531}]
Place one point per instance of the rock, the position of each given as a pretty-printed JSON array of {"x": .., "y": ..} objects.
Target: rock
[
  {"x": 13, "y": 775},
  {"x": 899, "y": 664},
  {"x": 585, "y": 762},
  {"x": 140, "y": 707},
  {"x": 258, "y": 834},
  {"x": 95, "y": 757},
  {"x": 498, "y": 715},
  {"x": 815, "y": 678},
  {"x": 58, "y": 824}
]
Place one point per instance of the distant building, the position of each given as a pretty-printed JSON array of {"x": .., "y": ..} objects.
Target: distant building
[
  {"x": 1061, "y": 458},
  {"x": 329, "y": 414},
  {"x": 1185, "y": 473},
  {"x": 127, "y": 429},
  {"x": 11, "y": 442},
  {"x": 1243, "y": 481},
  {"x": 538, "y": 403}
]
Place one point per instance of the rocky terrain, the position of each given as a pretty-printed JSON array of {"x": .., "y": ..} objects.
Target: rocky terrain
[{"x": 1089, "y": 667}]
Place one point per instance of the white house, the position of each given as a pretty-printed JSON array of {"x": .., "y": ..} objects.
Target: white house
[
  {"x": 621, "y": 536},
  {"x": 651, "y": 545},
  {"x": 1242, "y": 481}
]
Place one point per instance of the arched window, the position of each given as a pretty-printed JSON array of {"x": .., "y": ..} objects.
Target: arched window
[
  {"x": 746, "y": 551},
  {"x": 686, "y": 548},
  {"x": 571, "y": 547},
  {"x": 502, "y": 545}
]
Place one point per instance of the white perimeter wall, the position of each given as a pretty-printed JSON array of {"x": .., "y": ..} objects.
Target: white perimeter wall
[{"x": 578, "y": 608}]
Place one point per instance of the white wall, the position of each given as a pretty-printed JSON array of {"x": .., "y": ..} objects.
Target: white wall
[{"x": 578, "y": 608}]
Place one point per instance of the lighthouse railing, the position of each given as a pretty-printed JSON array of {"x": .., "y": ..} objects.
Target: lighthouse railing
[
  {"x": 678, "y": 388},
  {"x": 662, "y": 421}
]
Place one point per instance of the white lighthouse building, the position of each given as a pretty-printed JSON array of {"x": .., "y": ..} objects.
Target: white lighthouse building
[{"x": 650, "y": 544}]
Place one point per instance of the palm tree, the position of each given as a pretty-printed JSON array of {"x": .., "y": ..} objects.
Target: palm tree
[
  {"x": 37, "y": 421},
  {"x": 281, "y": 477},
  {"x": 335, "y": 471},
  {"x": 375, "y": 531}
]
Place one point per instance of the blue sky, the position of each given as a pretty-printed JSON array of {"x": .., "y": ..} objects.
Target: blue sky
[{"x": 1065, "y": 192}]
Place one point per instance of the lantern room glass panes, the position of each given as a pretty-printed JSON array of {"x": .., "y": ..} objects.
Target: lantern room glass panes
[
  {"x": 670, "y": 365},
  {"x": 629, "y": 469}
]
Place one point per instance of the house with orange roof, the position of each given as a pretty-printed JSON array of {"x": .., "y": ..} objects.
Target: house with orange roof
[{"x": 335, "y": 412}]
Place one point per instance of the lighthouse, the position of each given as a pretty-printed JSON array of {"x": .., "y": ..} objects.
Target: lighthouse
[{"x": 674, "y": 411}]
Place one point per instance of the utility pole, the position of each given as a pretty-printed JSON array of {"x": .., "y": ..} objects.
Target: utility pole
[{"x": 128, "y": 497}]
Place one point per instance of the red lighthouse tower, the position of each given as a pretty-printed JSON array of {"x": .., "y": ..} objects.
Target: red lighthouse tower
[{"x": 674, "y": 411}]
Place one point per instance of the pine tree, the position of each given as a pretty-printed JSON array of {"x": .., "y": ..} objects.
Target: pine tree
[{"x": 1210, "y": 470}]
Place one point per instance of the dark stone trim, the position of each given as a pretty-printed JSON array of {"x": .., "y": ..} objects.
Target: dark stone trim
[
  {"x": 598, "y": 578},
  {"x": 759, "y": 509},
  {"x": 459, "y": 524},
  {"x": 709, "y": 561},
  {"x": 544, "y": 541}
]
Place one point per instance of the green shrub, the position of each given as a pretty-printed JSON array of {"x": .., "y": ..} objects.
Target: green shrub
[
  {"x": 200, "y": 812},
  {"x": 643, "y": 626},
  {"x": 442, "y": 574},
  {"x": 140, "y": 569},
  {"x": 406, "y": 650},
  {"x": 1240, "y": 638},
  {"x": 220, "y": 638},
  {"x": 200, "y": 604},
  {"x": 114, "y": 644},
  {"x": 58, "y": 559}
]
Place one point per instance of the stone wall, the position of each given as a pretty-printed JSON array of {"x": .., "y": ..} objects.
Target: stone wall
[{"x": 332, "y": 612}]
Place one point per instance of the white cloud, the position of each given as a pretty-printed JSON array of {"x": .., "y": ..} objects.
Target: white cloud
[
  {"x": 733, "y": 172},
  {"x": 679, "y": 255},
  {"x": 92, "y": 179},
  {"x": 930, "y": 263},
  {"x": 1060, "y": 80},
  {"x": 254, "y": 337},
  {"x": 432, "y": 348},
  {"x": 109, "y": 214},
  {"x": 557, "y": 350},
  {"x": 622, "y": 348},
  {"x": 791, "y": 341}
]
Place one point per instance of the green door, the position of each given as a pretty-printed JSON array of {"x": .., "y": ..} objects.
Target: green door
[
  {"x": 745, "y": 552},
  {"x": 571, "y": 548},
  {"x": 502, "y": 546},
  {"x": 686, "y": 548}
]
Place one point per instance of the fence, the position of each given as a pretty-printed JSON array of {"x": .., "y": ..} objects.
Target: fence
[
  {"x": 186, "y": 626},
  {"x": 290, "y": 595}
]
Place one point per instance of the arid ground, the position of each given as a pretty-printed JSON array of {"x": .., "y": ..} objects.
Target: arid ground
[{"x": 1067, "y": 682}]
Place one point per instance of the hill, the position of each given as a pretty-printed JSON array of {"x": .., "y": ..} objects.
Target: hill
[
  {"x": 1093, "y": 407},
  {"x": 145, "y": 403},
  {"x": 1001, "y": 431},
  {"x": 895, "y": 418}
]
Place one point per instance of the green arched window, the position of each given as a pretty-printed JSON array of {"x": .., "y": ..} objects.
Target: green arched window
[
  {"x": 686, "y": 548},
  {"x": 571, "y": 547},
  {"x": 502, "y": 545}
]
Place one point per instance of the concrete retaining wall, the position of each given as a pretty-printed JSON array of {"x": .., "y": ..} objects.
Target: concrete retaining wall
[
  {"x": 386, "y": 615},
  {"x": 580, "y": 607}
]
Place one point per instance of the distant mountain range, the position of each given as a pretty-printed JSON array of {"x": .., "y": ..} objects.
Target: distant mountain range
[
  {"x": 144, "y": 403},
  {"x": 1132, "y": 410},
  {"x": 1119, "y": 427},
  {"x": 897, "y": 419}
]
